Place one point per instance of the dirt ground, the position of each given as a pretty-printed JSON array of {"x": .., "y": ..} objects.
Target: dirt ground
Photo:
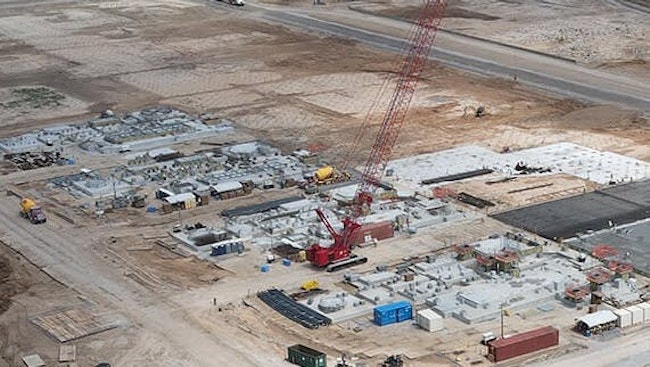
[
  {"x": 66, "y": 61},
  {"x": 600, "y": 33}
]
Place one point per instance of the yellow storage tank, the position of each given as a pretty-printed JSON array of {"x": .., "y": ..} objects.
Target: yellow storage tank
[
  {"x": 324, "y": 173},
  {"x": 26, "y": 204}
]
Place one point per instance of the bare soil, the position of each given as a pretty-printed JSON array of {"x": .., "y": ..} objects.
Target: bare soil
[
  {"x": 599, "y": 32},
  {"x": 290, "y": 88}
]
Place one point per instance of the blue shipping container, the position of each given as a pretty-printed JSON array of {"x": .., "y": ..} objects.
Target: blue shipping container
[{"x": 392, "y": 313}]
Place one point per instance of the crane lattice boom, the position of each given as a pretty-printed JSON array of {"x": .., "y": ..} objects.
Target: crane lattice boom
[
  {"x": 417, "y": 50},
  {"x": 421, "y": 38}
]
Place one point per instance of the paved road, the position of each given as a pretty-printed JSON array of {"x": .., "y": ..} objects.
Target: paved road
[
  {"x": 625, "y": 351},
  {"x": 558, "y": 76}
]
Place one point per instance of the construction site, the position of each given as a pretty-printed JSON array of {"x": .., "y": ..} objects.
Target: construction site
[{"x": 348, "y": 184}]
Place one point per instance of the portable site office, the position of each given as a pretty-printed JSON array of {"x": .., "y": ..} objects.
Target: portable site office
[{"x": 392, "y": 313}]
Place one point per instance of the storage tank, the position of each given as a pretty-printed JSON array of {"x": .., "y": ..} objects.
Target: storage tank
[
  {"x": 524, "y": 343},
  {"x": 324, "y": 173},
  {"x": 27, "y": 204}
]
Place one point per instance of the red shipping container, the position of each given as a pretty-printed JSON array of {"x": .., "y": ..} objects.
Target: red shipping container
[
  {"x": 520, "y": 344},
  {"x": 379, "y": 230}
]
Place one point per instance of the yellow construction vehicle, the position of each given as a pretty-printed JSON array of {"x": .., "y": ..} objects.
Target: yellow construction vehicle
[
  {"x": 31, "y": 211},
  {"x": 310, "y": 285}
]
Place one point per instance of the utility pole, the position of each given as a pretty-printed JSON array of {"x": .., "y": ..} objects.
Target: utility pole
[{"x": 502, "y": 321}]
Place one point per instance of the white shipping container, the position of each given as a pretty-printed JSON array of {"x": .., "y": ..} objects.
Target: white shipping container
[
  {"x": 646, "y": 311},
  {"x": 624, "y": 318},
  {"x": 429, "y": 320},
  {"x": 637, "y": 314}
]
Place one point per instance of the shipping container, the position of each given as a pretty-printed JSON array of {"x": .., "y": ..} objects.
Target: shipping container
[
  {"x": 379, "y": 231},
  {"x": 429, "y": 320},
  {"x": 637, "y": 314},
  {"x": 306, "y": 357},
  {"x": 646, "y": 311},
  {"x": 624, "y": 318},
  {"x": 392, "y": 313},
  {"x": 524, "y": 343}
]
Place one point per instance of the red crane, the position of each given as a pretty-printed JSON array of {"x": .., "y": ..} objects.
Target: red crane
[{"x": 418, "y": 48}]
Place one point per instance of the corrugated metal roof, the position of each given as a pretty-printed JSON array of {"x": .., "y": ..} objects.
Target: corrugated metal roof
[
  {"x": 621, "y": 312},
  {"x": 227, "y": 186},
  {"x": 598, "y": 318},
  {"x": 515, "y": 339},
  {"x": 180, "y": 198},
  {"x": 429, "y": 314},
  {"x": 392, "y": 306}
]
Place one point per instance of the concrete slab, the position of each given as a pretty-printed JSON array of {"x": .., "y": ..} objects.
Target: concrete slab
[
  {"x": 352, "y": 307},
  {"x": 579, "y": 161},
  {"x": 589, "y": 212}
]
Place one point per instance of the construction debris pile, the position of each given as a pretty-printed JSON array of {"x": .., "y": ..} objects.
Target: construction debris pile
[{"x": 32, "y": 160}]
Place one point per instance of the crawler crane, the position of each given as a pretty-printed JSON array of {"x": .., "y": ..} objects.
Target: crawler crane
[{"x": 418, "y": 47}]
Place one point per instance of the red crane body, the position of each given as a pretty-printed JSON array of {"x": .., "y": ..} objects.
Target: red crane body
[{"x": 420, "y": 41}]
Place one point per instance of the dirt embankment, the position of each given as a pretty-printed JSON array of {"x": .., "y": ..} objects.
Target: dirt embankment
[{"x": 10, "y": 283}]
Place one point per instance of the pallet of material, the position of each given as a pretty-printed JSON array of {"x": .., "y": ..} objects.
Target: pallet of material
[
  {"x": 73, "y": 324},
  {"x": 67, "y": 353},
  {"x": 473, "y": 200}
]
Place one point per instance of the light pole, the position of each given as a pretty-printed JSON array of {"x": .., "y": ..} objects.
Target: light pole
[{"x": 502, "y": 321}]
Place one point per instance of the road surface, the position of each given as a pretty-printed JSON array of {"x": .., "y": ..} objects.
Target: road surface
[
  {"x": 626, "y": 351},
  {"x": 559, "y": 76}
]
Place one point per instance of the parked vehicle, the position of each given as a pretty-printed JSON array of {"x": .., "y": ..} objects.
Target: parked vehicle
[{"x": 236, "y": 2}]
